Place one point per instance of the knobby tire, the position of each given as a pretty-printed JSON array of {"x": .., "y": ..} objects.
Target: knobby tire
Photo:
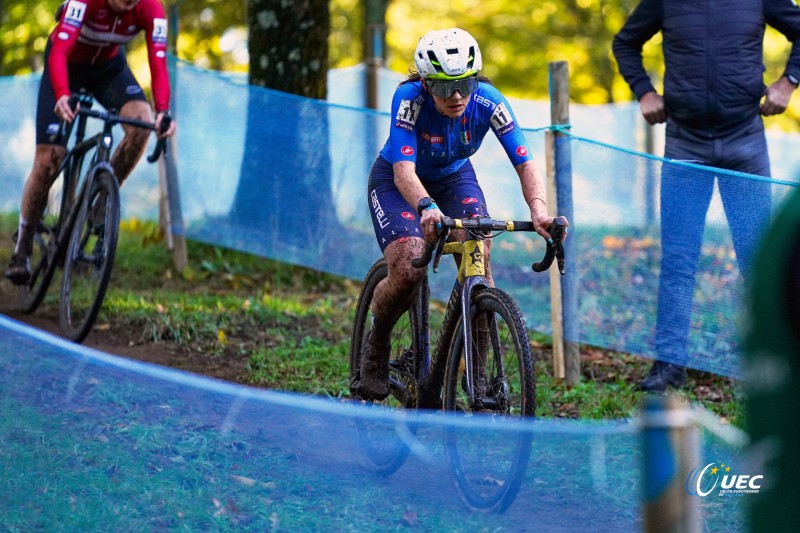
[
  {"x": 49, "y": 245},
  {"x": 90, "y": 258},
  {"x": 489, "y": 467},
  {"x": 382, "y": 448}
]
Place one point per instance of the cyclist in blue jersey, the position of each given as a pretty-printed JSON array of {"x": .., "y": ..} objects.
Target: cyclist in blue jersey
[{"x": 440, "y": 116}]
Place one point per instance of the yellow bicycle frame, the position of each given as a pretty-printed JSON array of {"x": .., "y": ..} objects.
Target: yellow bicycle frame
[
  {"x": 472, "y": 253},
  {"x": 472, "y": 258}
]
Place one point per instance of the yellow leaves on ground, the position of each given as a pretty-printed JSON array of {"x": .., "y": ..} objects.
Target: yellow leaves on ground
[{"x": 611, "y": 242}]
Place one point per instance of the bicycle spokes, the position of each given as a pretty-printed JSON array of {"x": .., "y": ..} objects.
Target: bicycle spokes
[
  {"x": 493, "y": 385},
  {"x": 90, "y": 258},
  {"x": 489, "y": 465},
  {"x": 383, "y": 451}
]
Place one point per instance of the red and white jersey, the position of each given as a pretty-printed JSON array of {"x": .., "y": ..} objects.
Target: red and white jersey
[{"x": 89, "y": 32}]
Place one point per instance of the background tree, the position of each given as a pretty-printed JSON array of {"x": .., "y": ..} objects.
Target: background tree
[
  {"x": 288, "y": 50},
  {"x": 288, "y": 45},
  {"x": 24, "y": 26},
  {"x": 519, "y": 39},
  {"x": 213, "y": 33}
]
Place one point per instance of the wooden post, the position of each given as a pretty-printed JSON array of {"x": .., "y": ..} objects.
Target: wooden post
[
  {"x": 562, "y": 163},
  {"x": 670, "y": 452},
  {"x": 555, "y": 276},
  {"x": 171, "y": 215},
  {"x": 374, "y": 47}
]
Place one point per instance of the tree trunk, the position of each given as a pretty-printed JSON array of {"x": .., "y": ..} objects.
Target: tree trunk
[
  {"x": 288, "y": 45},
  {"x": 285, "y": 172}
]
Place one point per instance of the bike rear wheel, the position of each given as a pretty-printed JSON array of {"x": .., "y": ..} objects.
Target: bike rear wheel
[
  {"x": 489, "y": 467},
  {"x": 43, "y": 268},
  {"x": 48, "y": 249},
  {"x": 90, "y": 258},
  {"x": 383, "y": 450}
]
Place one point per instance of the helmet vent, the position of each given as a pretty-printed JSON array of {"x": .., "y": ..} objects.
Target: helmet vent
[{"x": 435, "y": 61}]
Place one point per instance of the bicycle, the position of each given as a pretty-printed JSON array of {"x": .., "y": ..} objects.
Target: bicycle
[
  {"x": 80, "y": 226},
  {"x": 479, "y": 319}
]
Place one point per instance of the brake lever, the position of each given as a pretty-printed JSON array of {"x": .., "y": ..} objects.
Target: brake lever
[
  {"x": 557, "y": 230},
  {"x": 428, "y": 253},
  {"x": 64, "y": 127},
  {"x": 161, "y": 144},
  {"x": 437, "y": 256}
]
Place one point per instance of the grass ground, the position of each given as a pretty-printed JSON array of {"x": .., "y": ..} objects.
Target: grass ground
[
  {"x": 254, "y": 321},
  {"x": 116, "y": 458}
]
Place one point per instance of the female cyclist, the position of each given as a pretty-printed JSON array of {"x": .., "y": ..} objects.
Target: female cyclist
[{"x": 440, "y": 115}]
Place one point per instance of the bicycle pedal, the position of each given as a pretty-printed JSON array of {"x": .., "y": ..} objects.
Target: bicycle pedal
[{"x": 355, "y": 387}]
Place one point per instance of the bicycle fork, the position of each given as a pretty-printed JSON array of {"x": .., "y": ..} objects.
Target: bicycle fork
[{"x": 473, "y": 360}]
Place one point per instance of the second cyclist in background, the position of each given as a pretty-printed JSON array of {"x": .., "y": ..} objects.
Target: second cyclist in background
[
  {"x": 85, "y": 51},
  {"x": 440, "y": 115}
]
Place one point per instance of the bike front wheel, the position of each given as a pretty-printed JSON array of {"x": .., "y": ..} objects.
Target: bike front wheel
[
  {"x": 382, "y": 448},
  {"x": 489, "y": 466},
  {"x": 90, "y": 258}
]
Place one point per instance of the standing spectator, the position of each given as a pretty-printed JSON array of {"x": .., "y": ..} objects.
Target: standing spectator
[{"x": 713, "y": 102}]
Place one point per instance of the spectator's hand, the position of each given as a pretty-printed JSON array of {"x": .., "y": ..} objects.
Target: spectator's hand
[
  {"x": 652, "y": 106},
  {"x": 172, "y": 126},
  {"x": 63, "y": 110},
  {"x": 776, "y": 97}
]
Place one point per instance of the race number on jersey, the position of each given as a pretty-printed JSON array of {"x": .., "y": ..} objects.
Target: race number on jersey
[
  {"x": 73, "y": 14},
  {"x": 501, "y": 120},
  {"x": 160, "y": 31},
  {"x": 407, "y": 114}
]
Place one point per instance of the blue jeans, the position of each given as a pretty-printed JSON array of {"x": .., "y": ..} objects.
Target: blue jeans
[{"x": 685, "y": 198}]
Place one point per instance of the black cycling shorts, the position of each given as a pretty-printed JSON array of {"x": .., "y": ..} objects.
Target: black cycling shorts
[
  {"x": 111, "y": 82},
  {"x": 457, "y": 195}
]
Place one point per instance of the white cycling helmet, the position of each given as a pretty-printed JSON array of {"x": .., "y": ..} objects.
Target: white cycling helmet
[{"x": 449, "y": 54}]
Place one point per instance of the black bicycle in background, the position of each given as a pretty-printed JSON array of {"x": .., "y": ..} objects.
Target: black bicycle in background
[
  {"x": 80, "y": 225},
  {"x": 482, "y": 363}
]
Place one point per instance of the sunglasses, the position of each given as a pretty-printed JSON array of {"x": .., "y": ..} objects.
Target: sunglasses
[{"x": 446, "y": 88}]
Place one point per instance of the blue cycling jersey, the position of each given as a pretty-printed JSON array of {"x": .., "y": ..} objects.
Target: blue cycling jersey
[{"x": 440, "y": 145}]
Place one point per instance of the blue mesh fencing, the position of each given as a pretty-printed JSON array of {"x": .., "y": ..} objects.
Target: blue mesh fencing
[
  {"x": 285, "y": 177},
  {"x": 303, "y": 200},
  {"x": 618, "y": 234},
  {"x": 97, "y": 442}
]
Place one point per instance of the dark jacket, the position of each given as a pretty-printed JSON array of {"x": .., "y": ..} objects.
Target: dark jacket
[{"x": 713, "y": 56}]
